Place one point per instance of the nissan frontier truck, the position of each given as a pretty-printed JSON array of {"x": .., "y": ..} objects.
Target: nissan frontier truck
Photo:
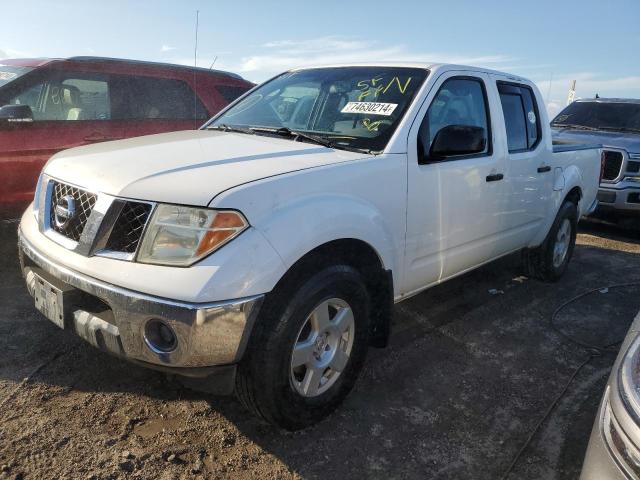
[{"x": 263, "y": 253}]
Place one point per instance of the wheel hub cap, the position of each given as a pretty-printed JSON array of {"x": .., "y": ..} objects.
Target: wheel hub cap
[
  {"x": 322, "y": 348},
  {"x": 321, "y": 344},
  {"x": 563, "y": 240}
]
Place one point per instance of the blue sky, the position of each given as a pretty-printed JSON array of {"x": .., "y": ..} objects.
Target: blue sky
[{"x": 594, "y": 42}]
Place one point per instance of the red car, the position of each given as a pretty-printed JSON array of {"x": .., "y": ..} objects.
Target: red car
[{"x": 48, "y": 105}]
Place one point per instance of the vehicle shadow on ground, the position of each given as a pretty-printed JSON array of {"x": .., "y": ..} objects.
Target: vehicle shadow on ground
[{"x": 471, "y": 367}]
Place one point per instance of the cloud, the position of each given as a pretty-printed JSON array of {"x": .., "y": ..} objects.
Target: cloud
[
  {"x": 273, "y": 57},
  {"x": 279, "y": 55},
  {"x": 553, "y": 108},
  {"x": 166, "y": 48},
  {"x": 587, "y": 85},
  {"x": 6, "y": 52}
]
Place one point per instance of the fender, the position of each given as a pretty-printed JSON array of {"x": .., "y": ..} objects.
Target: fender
[
  {"x": 323, "y": 219},
  {"x": 303, "y": 210}
]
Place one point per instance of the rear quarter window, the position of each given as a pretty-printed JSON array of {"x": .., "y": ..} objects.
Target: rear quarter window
[
  {"x": 150, "y": 98},
  {"x": 231, "y": 92},
  {"x": 521, "y": 117}
]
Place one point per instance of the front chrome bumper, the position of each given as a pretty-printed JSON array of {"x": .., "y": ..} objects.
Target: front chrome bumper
[{"x": 113, "y": 318}]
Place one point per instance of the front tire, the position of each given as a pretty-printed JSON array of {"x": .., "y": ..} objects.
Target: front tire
[
  {"x": 307, "y": 348},
  {"x": 549, "y": 261}
]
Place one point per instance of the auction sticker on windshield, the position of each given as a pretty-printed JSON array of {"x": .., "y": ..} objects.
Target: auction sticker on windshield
[{"x": 372, "y": 108}]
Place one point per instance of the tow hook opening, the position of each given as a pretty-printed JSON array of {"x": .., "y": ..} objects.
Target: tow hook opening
[{"x": 160, "y": 337}]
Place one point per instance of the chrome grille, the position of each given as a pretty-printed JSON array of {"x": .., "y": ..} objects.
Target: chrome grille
[
  {"x": 83, "y": 202},
  {"x": 128, "y": 227},
  {"x": 612, "y": 165}
]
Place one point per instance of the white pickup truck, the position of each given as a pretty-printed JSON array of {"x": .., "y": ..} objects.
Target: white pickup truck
[{"x": 262, "y": 254}]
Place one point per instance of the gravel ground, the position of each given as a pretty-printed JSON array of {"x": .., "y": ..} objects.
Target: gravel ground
[{"x": 472, "y": 367}]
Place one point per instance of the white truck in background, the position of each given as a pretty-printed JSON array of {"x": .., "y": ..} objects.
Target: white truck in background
[{"x": 262, "y": 254}]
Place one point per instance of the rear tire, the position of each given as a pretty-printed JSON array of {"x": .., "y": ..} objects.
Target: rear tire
[
  {"x": 549, "y": 261},
  {"x": 307, "y": 348}
]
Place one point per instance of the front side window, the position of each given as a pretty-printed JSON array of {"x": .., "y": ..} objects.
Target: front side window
[
  {"x": 521, "y": 119},
  {"x": 350, "y": 107},
  {"x": 460, "y": 101},
  {"x": 66, "y": 97}
]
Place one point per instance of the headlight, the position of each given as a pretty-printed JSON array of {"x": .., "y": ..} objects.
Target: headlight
[{"x": 183, "y": 235}]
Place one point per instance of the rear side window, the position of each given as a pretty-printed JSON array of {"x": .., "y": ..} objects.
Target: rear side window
[
  {"x": 230, "y": 92},
  {"x": 522, "y": 122},
  {"x": 149, "y": 98}
]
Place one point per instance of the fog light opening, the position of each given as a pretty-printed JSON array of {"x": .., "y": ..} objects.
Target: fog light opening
[{"x": 160, "y": 337}]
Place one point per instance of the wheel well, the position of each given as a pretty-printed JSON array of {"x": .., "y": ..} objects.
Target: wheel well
[
  {"x": 574, "y": 195},
  {"x": 361, "y": 256}
]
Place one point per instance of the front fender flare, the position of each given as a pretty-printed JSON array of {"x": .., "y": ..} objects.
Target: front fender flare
[{"x": 300, "y": 226}]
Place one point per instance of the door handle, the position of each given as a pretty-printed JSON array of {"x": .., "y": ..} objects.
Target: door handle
[
  {"x": 495, "y": 177},
  {"x": 544, "y": 169}
]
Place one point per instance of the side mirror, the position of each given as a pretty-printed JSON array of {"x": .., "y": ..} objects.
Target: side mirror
[
  {"x": 457, "y": 140},
  {"x": 16, "y": 115}
]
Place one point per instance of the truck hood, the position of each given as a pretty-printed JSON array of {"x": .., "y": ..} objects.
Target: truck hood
[
  {"x": 189, "y": 167},
  {"x": 627, "y": 141}
]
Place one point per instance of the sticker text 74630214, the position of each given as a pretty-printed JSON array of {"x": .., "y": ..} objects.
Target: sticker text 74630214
[{"x": 371, "y": 108}]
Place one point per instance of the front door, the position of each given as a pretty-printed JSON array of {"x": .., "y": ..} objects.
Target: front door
[{"x": 455, "y": 205}]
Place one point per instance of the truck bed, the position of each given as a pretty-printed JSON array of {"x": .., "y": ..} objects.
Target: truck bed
[
  {"x": 559, "y": 146},
  {"x": 582, "y": 160}
]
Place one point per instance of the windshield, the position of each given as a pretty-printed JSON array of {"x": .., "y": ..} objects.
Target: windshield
[
  {"x": 9, "y": 73},
  {"x": 600, "y": 115},
  {"x": 349, "y": 107}
]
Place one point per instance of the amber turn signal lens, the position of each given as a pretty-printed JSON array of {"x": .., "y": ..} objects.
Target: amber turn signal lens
[{"x": 224, "y": 226}]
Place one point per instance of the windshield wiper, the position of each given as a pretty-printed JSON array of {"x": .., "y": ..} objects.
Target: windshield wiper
[
  {"x": 229, "y": 128},
  {"x": 295, "y": 134},
  {"x": 349, "y": 148}
]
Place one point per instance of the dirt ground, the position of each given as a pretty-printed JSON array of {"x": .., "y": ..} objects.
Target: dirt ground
[{"x": 469, "y": 373}]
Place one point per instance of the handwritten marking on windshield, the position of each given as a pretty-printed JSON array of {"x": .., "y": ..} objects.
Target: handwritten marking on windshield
[
  {"x": 374, "y": 87},
  {"x": 371, "y": 126}
]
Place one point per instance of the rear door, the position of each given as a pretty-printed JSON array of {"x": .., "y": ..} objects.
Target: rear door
[
  {"x": 455, "y": 205},
  {"x": 529, "y": 175},
  {"x": 69, "y": 109}
]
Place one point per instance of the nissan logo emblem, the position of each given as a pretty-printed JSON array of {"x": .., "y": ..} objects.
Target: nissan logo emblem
[{"x": 64, "y": 211}]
